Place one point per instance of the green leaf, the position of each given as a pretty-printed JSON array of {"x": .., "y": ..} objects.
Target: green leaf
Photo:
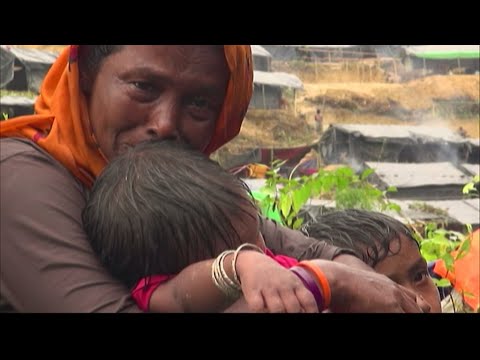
[
  {"x": 468, "y": 188},
  {"x": 392, "y": 189},
  {"x": 286, "y": 205},
  {"x": 448, "y": 258},
  {"x": 464, "y": 249},
  {"x": 366, "y": 173},
  {"x": 394, "y": 207},
  {"x": 300, "y": 197},
  {"x": 469, "y": 228},
  {"x": 441, "y": 282},
  {"x": 297, "y": 223}
]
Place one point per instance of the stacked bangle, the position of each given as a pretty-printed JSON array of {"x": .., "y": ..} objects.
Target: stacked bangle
[
  {"x": 230, "y": 287},
  {"x": 322, "y": 281},
  {"x": 310, "y": 284}
]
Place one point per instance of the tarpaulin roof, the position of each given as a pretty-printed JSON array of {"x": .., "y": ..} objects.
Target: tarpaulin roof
[
  {"x": 402, "y": 131},
  {"x": 34, "y": 55},
  {"x": 7, "y": 60},
  {"x": 16, "y": 101},
  {"x": 258, "y": 50},
  {"x": 441, "y": 52},
  {"x": 277, "y": 79},
  {"x": 403, "y": 175},
  {"x": 472, "y": 168}
]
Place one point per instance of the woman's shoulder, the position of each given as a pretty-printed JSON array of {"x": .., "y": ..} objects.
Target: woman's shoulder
[
  {"x": 12, "y": 147},
  {"x": 25, "y": 161}
]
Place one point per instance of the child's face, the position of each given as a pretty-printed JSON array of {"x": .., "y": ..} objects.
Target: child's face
[{"x": 409, "y": 269}]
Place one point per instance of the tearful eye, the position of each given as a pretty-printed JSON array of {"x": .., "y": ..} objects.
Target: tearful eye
[
  {"x": 144, "y": 86},
  {"x": 200, "y": 102}
]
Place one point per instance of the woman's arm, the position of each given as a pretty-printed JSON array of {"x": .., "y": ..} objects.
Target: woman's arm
[
  {"x": 193, "y": 289},
  {"x": 266, "y": 286},
  {"x": 356, "y": 290},
  {"x": 46, "y": 261},
  {"x": 284, "y": 241},
  {"x": 356, "y": 287}
]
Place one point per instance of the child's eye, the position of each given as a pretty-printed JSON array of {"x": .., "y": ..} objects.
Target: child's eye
[{"x": 420, "y": 276}]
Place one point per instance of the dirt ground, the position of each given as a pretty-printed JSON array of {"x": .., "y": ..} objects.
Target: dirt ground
[{"x": 450, "y": 100}]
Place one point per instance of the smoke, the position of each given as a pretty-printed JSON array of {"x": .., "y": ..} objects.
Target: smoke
[
  {"x": 356, "y": 165},
  {"x": 444, "y": 144}
]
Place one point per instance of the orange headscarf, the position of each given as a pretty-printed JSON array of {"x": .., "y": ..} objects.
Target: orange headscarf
[{"x": 61, "y": 123}]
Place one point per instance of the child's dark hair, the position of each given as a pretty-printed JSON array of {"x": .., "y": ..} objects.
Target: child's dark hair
[
  {"x": 162, "y": 206},
  {"x": 368, "y": 233}
]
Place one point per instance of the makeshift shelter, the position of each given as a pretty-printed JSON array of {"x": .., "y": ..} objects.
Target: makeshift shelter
[
  {"x": 442, "y": 59},
  {"x": 282, "y": 52},
  {"x": 474, "y": 154},
  {"x": 262, "y": 59},
  {"x": 345, "y": 143},
  {"x": 268, "y": 87},
  {"x": 31, "y": 65},
  {"x": 16, "y": 106},
  {"x": 426, "y": 181},
  {"x": 335, "y": 53},
  {"x": 7, "y": 60}
]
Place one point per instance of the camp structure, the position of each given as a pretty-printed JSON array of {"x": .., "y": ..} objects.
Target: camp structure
[
  {"x": 30, "y": 67},
  {"x": 442, "y": 59},
  {"x": 268, "y": 86},
  {"x": 7, "y": 60},
  {"x": 347, "y": 143},
  {"x": 425, "y": 181}
]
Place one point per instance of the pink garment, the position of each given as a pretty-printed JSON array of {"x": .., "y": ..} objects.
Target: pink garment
[{"x": 143, "y": 290}]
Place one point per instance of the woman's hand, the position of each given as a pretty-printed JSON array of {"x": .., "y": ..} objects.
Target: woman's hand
[{"x": 355, "y": 290}]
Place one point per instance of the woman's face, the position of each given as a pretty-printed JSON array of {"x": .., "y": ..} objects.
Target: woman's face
[{"x": 145, "y": 92}]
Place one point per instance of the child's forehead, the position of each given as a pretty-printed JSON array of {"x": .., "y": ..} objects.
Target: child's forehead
[{"x": 404, "y": 254}]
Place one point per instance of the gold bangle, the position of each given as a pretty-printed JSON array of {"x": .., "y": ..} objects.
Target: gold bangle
[{"x": 221, "y": 279}]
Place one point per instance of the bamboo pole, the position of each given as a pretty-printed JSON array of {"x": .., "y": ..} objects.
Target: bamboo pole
[
  {"x": 295, "y": 102},
  {"x": 263, "y": 96}
]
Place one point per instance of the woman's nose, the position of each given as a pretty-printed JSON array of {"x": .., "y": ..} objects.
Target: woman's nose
[{"x": 164, "y": 123}]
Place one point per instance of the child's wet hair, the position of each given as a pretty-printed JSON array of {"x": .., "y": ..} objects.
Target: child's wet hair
[
  {"x": 162, "y": 206},
  {"x": 368, "y": 233}
]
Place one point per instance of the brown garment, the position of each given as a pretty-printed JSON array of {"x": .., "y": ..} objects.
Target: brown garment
[{"x": 46, "y": 263}]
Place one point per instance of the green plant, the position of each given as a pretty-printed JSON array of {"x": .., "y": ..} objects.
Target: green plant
[
  {"x": 470, "y": 188},
  {"x": 289, "y": 195},
  {"x": 5, "y": 116},
  {"x": 439, "y": 243}
]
